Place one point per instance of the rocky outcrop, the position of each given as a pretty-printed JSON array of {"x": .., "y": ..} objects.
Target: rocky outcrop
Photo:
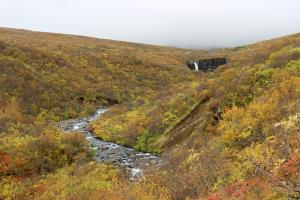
[{"x": 206, "y": 64}]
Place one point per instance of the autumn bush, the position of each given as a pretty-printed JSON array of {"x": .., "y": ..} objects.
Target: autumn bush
[{"x": 30, "y": 155}]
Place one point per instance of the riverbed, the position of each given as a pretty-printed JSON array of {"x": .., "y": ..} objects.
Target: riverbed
[{"x": 132, "y": 161}]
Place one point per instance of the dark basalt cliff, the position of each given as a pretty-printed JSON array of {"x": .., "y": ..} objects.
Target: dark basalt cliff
[{"x": 206, "y": 64}]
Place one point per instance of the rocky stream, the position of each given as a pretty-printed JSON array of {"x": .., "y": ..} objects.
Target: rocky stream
[{"x": 133, "y": 161}]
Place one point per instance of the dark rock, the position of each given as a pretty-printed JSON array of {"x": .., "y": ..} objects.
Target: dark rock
[
  {"x": 191, "y": 64},
  {"x": 80, "y": 99},
  {"x": 207, "y": 64}
]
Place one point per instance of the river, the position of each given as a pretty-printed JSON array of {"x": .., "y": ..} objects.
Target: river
[{"x": 133, "y": 161}]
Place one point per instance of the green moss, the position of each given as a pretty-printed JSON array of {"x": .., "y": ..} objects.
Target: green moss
[{"x": 147, "y": 142}]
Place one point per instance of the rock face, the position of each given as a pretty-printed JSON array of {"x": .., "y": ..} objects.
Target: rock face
[{"x": 206, "y": 64}]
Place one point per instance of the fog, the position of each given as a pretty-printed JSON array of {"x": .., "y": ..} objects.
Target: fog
[{"x": 198, "y": 24}]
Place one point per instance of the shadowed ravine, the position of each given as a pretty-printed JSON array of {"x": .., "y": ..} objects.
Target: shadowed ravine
[{"x": 131, "y": 160}]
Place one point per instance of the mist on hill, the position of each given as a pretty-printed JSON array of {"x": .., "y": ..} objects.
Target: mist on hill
[{"x": 189, "y": 24}]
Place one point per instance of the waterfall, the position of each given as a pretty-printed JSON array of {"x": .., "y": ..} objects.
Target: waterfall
[{"x": 196, "y": 66}]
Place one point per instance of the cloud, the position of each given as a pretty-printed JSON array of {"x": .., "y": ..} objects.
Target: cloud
[{"x": 183, "y": 23}]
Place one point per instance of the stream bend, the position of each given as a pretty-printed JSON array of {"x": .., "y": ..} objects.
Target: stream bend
[{"x": 131, "y": 160}]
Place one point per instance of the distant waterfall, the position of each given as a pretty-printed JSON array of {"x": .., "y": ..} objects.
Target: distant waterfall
[{"x": 196, "y": 66}]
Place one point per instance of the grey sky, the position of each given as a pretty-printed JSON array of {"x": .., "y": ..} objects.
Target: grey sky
[{"x": 183, "y": 23}]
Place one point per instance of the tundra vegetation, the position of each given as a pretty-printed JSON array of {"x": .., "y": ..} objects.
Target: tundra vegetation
[{"x": 233, "y": 133}]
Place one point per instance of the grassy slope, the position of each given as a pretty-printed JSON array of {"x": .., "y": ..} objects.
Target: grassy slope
[{"x": 66, "y": 75}]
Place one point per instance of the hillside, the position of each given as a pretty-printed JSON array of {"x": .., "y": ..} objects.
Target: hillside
[
  {"x": 67, "y": 74},
  {"x": 234, "y": 83},
  {"x": 232, "y": 133}
]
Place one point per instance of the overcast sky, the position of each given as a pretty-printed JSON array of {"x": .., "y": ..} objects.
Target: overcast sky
[{"x": 183, "y": 23}]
